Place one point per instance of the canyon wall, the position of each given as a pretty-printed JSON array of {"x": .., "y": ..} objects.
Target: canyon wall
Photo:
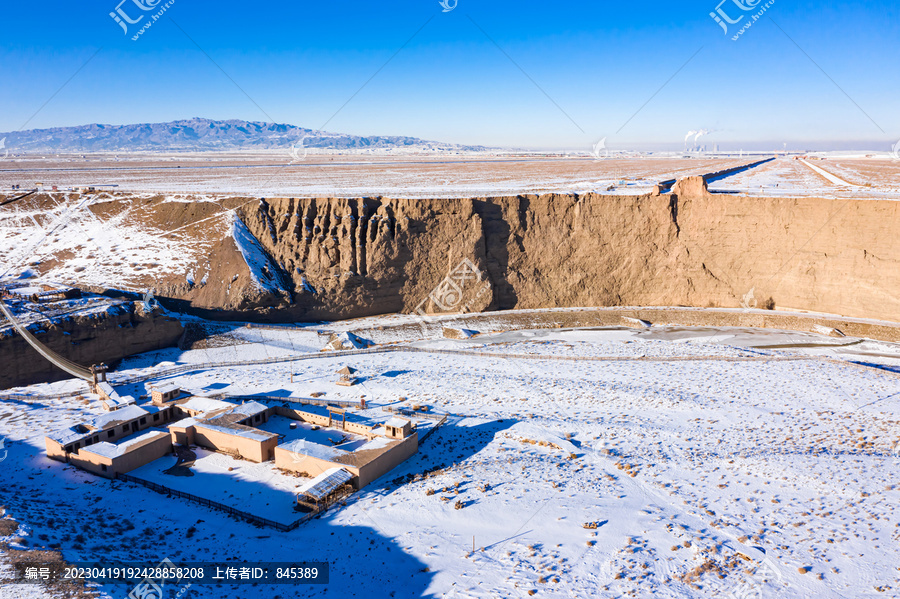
[
  {"x": 343, "y": 258},
  {"x": 284, "y": 259},
  {"x": 122, "y": 330}
]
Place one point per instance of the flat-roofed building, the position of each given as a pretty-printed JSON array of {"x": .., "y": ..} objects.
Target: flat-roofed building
[
  {"x": 398, "y": 428},
  {"x": 364, "y": 447},
  {"x": 73, "y": 444},
  {"x": 165, "y": 393},
  {"x": 109, "y": 460}
]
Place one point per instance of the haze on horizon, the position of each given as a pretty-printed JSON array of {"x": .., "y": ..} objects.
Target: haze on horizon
[{"x": 489, "y": 73}]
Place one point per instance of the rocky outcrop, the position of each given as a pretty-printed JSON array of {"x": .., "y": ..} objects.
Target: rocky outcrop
[{"x": 690, "y": 188}]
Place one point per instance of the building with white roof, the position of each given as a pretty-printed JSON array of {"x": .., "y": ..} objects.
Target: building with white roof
[
  {"x": 89, "y": 445},
  {"x": 381, "y": 448},
  {"x": 130, "y": 436},
  {"x": 398, "y": 428},
  {"x": 165, "y": 393}
]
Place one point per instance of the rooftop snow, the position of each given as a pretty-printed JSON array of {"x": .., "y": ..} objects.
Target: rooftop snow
[
  {"x": 251, "y": 408},
  {"x": 70, "y": 434},
  {"x": 167, "y": 388},
  {"x": 119, "y": 401},
  {"x": 376, "y": 443},
  {"x": 151, "y": 408},
  {"x": 108, "y": 390},
  {"x": 397, "y": 422},
  {"x": 204, "y": 404},
  {"x": 119, "y": 416},
  {"x": 109, "y": 450},
  {"x": 239, "y": 430},
  {"x": 304, "y": 447}
]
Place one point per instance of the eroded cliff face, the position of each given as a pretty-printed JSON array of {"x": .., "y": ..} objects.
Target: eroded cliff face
[
  {"x": 283, "y": 259},
  {"x": 123, "y": 330},
  {"x": 355, "y": 257},
  {"x": 347, "y": 258}
]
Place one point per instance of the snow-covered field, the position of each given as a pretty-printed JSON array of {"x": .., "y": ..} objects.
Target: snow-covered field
[
  {"x": 442, "y": 175},
  {"x": 327, "y": 175},
  {"x": 869, "y": 179},
  {"x": 67, "y": 241},
  {"x": 706, "y": 463}
]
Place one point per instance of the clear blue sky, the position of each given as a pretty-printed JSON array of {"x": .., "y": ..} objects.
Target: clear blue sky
[{"x": 599, "y": 63}]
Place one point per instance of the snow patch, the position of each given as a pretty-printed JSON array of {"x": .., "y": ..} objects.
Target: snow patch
[
  {"x": 262, "y": 270},
  {"x": 347, "y": 340}
]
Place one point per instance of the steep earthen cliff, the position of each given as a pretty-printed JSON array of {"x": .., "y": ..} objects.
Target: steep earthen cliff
[
  {"x": 327, "y": 258},
  {"x": 122, "y": 330},
  {"x": 355, "y": 257}
]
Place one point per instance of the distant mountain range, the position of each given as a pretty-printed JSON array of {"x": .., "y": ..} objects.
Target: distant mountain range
[{"x": 199, "y": 134}]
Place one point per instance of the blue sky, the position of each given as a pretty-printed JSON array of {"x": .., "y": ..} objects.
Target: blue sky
[{"x": 568, "y": 73}]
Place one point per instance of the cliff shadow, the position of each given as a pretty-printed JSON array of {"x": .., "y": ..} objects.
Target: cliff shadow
[{"x": 497, "y": 232}]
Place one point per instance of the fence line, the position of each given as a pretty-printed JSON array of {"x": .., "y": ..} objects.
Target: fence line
[
  {"x": 37, "y": 398},
  {"x": 228, "y": 364},
  {"x": 286, "y": 327},
  {"x": 406, "y": 411},
  {"x": 434, "y": 428},
  {"x": 220, "y": 506},
  {"x": 480, "y": 354},
  {"x": 394, "y": 349},
  {"x": 297, "y": 400}
]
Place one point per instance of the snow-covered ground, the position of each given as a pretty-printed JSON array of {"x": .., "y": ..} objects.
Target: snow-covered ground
[
  {"x": 245, "y": 486},
  {"x": 793, "y": 178},
  {"x": 710, "y": 462},
  {"x": 443, "y": 175},
  {"x": 123, "y": 248}
]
